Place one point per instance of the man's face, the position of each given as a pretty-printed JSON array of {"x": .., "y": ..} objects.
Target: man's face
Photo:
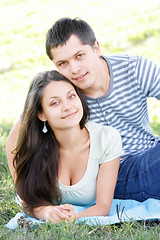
[{"x": 77, "y": 62}]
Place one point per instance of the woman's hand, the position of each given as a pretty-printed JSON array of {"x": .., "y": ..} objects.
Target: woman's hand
[
  {"x": 55, "y": 214},
  {"x": 68, "y": 209}
]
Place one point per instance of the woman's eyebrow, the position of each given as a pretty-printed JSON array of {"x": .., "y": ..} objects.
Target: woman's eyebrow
[{"x": 72, "y": 90}]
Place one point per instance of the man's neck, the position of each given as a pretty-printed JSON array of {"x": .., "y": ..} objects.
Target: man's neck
[{"x": 102, "y": 85}]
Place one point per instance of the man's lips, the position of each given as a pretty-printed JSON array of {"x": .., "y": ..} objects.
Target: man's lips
[
  {"x": 79, "y": 78},
  {"x": 69, "y": 115}
]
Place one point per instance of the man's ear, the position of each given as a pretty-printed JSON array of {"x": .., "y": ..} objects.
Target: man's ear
[
  {"x": 97, "y": 48},
  {"x": 41, "y": 116}
]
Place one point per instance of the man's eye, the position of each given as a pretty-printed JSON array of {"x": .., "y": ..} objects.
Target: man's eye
[
  {"x": 72, "y": 96},
  {"x": 62, "y": 64}
]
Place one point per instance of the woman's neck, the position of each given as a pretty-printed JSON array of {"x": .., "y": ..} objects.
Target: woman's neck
[{"x": 70, "y": 139}]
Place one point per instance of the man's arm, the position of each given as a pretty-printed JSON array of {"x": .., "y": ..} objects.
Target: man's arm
[{"x": 11, "y": 144}]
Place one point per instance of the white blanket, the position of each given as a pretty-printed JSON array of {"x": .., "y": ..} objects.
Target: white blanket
[{"x": 121, "y": 211}]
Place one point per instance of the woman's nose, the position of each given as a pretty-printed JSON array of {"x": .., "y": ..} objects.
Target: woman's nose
[{"x": 66, "y": 106}]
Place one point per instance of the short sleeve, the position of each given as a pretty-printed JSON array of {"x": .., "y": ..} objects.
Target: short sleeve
[
  {"x": 148, "y": 75},
  {"x": 111, "y": 144}
]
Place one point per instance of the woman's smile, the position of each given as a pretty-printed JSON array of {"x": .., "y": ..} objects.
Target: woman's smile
[{"x": 70, "y": 115}]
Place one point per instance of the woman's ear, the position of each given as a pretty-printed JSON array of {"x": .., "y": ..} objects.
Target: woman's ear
[{"x": 41, "y": 116}]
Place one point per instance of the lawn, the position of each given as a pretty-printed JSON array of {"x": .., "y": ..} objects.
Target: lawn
[{"x": 127, "y": 26}]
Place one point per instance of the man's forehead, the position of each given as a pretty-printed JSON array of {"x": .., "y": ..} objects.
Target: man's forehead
[
  {"x": 72, "y": 46},
  {"x": 64, "y": 56}
]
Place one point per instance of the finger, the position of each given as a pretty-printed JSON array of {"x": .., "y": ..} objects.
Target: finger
[
  {"x": 55, "y": 217},
  {"x": 67, "y": 206},
  {"x": 61, "y": 214},
  {"x": 68, "y": 211},
  {"x": 52, "y": 218}
]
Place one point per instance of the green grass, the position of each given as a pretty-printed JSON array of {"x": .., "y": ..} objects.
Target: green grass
[
  {"x": 132, "y": 230},
  {"x": 125, "y": 26}
]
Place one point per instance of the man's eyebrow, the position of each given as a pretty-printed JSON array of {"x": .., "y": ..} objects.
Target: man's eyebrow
[{"x": 65, "y": 60}]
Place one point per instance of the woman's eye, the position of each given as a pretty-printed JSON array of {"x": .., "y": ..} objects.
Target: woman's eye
[
  {"x": 79, "y": 55},
  {"x": 54, "y": 104}
]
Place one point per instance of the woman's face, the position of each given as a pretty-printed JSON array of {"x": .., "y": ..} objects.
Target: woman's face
[{"x": 62, "y": 107}]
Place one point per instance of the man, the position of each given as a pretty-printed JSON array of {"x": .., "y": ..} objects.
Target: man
[{"x": 116, "y": 88}]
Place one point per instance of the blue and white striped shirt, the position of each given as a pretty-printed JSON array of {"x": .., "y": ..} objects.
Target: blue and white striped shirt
[{"x": 133, "y": 79}]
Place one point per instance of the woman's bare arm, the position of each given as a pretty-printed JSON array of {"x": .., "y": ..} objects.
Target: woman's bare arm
[
  {"x": 11, "y": 144},
  {"x": 106, "y": 182}
]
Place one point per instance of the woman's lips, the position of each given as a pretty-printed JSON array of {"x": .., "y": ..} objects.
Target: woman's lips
[{"x": 69, "y": 115}]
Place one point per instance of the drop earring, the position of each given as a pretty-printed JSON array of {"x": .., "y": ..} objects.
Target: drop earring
[{"x": 44, "y": 128}]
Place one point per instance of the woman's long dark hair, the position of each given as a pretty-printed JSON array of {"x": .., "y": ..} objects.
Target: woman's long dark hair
[{"x": 36, "y": 158}]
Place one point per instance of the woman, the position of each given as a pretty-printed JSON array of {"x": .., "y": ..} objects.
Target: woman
[{"x": 60, "y": 160}]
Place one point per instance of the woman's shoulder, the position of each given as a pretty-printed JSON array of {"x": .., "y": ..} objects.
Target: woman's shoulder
[
  {"x": 98, "y": 128},
  {"x": 106, "y": 142},
  {"x": 104, "y": 135}
]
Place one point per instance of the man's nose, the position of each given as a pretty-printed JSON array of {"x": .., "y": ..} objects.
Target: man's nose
[{"x": 74, "y": 67}]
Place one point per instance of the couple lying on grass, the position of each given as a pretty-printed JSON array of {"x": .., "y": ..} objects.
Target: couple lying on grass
[{"x": 66, "y": 149}]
